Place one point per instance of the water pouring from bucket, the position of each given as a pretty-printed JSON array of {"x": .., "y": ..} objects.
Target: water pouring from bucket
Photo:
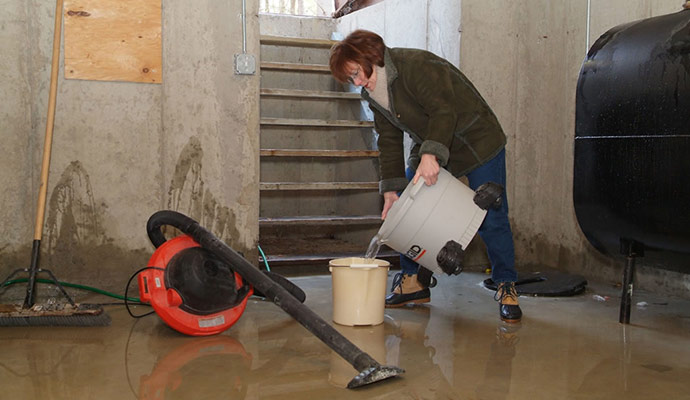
[{"x": 374, "y": 248}]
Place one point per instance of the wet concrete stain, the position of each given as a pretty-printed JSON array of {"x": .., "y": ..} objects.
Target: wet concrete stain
[
  {"x": 188, "y": 195},
  {"x": 658, "y": 367},
  {"x": 73, "y": 218},
  {"x": 11, "y": 260},
  {"x": 534, "y": 252},
  {"x": 75, "y": 246}
]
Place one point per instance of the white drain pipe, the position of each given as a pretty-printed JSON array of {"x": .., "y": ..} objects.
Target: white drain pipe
[
  {"x": 244, "y": 26},
  {"x": 245, "y": 64},
  {"x": 589, "y": 17}
]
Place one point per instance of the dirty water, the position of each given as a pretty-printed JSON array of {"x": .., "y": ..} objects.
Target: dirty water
[{"x": 453, "y": 348}]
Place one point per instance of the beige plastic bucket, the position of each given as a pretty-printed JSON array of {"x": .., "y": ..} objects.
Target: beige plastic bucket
[
  {"x": 359, "y": 290},
  {"x": 425, "y": 218}
]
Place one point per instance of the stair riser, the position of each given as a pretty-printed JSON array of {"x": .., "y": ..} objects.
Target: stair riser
[
  {"x": 298, "y": 80},
  {"x": 317, "y": 169},
  {"x": 357, "y": 236},
  {"x": 291, "y": 54},
  {"x": 315, "y": 138},
  {"x": 280, "y": 204},
  {"x": 296, "y": 26},
  {"x": 329, "y": 109}
]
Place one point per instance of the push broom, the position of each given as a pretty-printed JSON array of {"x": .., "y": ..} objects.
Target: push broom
[{"x": 57, "y": 314}]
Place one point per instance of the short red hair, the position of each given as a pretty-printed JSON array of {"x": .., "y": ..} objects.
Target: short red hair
[{"x": 361, "y": 47}]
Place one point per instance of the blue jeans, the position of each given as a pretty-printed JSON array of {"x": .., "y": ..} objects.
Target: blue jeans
[{"x": 495, "y": 230}]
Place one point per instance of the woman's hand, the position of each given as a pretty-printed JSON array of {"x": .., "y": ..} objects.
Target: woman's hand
[
  {"x": 428, "y": 169},
  {"x": 388, "y": 199}
]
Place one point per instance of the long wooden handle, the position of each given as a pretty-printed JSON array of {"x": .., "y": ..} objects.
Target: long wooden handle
[{"x": 48, "y": 143}]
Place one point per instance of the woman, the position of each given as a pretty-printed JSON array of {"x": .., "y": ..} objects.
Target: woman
[{"x": 417, "y": 92}]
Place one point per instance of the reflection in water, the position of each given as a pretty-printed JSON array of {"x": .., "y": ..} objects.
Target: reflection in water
[
  {"x": 218, "y": 364},
  {"x": 451, "y": 341},
  {"x": 407, "y": 347},
  {"x": 370, "y": 339},
  {"x": 629, "y": 375},
  {"x": 283, "y": 362},
  {"x": 32, "y": 365},
  {"x": 625, "y": 355},
  {"x": 497, "y": 376}
]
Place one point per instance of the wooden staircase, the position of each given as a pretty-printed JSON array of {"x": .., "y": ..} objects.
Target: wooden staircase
[{"x": 319, "y": 166}]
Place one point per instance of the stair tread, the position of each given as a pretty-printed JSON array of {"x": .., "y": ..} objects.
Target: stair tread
[
  {"x": 322, "y": 256},
  {"x": 315, "y": 94},
  {"x": 296, "y": 41},
  {"x": 317, "y": 153},
  {"x": 285, "y": 66},
  {"x": 319, "y": 186},
  {"x": 316, "y": 122},
  {"x": 294, "y": 249},
  {"x": 321, "y": 219}
]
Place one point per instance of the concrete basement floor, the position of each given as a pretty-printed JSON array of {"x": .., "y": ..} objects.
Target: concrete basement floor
[{"x": 453, "y": 348}]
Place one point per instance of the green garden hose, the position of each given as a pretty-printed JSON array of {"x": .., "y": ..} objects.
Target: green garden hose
[
  {"x": 74, "y": 285},
  {"x": 101, "y": 291}
]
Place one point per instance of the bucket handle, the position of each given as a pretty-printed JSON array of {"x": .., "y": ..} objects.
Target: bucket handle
[
  {"x": 399, "y": 213},
  {"x": 363, "y": 266},
  {"x": 417, "y": 187}
]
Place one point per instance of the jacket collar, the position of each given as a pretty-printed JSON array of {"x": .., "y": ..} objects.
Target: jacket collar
[
  {"x": 391, "y": 74},
  {"x": 391, "y": 71}
]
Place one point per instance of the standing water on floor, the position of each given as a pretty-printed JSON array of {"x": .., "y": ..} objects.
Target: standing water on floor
[{"x": 374, "y": 247}]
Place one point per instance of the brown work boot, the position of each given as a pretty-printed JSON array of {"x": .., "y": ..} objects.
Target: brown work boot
[
  {"x": 507, "y": 298},
  {"x": 407, "y": 289}
]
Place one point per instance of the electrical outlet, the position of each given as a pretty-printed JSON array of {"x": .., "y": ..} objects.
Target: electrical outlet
[{"x": 245, "y": 64}]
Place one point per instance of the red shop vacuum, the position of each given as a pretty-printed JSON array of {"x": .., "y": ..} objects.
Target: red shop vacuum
[
  {"x": 193, "y": 290},
  {"x": 199, "y": 286}
]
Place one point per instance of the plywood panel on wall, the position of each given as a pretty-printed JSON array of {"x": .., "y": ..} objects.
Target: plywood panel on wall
[{"x": 113, "y": 40}]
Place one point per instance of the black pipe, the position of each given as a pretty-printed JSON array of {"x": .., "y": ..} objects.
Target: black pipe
[
  {"x": 630, "y": 249},
  {"x": 33, "y": 270},
  {"x": 370, "y": 370},
  {"x": 626, "y": 296}
]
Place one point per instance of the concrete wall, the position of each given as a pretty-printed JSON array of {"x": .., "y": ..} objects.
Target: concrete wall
[
  {"x": 17, "y": 131},
  {"x": 122, "y": 151},
  {"x": 525, "y": 58}
]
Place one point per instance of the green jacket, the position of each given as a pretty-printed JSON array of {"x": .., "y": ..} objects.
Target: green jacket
[{"x": 443, "y": 112}]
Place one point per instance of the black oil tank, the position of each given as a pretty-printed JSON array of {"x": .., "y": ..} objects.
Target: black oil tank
[{"x": 632, "y": 140}]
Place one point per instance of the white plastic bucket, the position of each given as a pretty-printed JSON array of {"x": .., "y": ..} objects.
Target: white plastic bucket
[
  {"x": 425, "y": 218},
  {"x": 359, "y": 290}
]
